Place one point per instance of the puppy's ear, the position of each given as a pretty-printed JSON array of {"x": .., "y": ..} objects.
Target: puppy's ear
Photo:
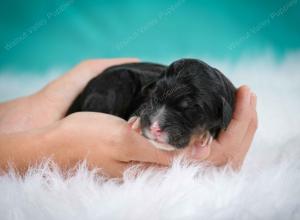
[
  {"x": 148, "y": 88},
  {"x": 226, "y": 113},
  {"x": 175, "y": 68}
]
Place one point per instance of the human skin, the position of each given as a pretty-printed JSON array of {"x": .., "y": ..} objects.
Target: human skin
[{"x": 34, "y": 127}]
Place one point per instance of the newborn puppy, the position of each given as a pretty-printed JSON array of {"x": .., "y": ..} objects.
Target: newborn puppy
[{"x": 186, "y": 103}]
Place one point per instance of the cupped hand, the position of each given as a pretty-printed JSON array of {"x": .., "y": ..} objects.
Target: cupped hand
[
  {"x": 104, "y": 141},
  {"x": 233, "y": 143}
]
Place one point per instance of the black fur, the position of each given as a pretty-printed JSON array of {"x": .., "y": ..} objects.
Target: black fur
[{"x": 196, "y": 97}]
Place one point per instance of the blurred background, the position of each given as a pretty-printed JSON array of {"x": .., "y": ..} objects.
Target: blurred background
[{"x": 40, "y": 35}]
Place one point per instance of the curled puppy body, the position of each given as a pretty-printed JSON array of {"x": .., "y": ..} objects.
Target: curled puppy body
[{"x": 185, "y": 103}]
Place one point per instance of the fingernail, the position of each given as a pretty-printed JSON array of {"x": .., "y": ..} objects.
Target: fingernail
[
  {"x": 253, "y": 99},
  {"x": 253, "y": 96},
  {"x": 135, "y": 126},
  {"x": 132, "y": 119},
  {"x": 249, "y": 94},
  {"x": 246, "y": 87}
]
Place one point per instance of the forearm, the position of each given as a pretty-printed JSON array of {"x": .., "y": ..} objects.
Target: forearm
[
  {"x": 20, "y": 150},
  {"x": 26, "y": 113},
  {"x": 42, "y": 108},
  {"x": 16, "y": 115},
  {"x": 25, "y": 149}
]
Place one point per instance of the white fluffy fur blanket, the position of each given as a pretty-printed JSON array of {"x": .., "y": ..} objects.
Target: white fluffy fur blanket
[{"x": 268, "y": 187}]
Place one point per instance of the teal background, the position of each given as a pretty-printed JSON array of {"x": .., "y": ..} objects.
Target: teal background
[{"x": 38, "y": 35}]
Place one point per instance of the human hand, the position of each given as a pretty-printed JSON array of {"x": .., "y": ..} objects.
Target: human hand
[
  {"x": 104, "y": 140},
  {"x": 232, "y": 144}
]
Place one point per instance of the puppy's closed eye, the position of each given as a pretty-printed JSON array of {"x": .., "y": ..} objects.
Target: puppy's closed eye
[{"x": 184, "y": 104}]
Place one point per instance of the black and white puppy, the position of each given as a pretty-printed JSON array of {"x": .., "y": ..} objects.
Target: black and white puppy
[{"x": 185, "y": 103}]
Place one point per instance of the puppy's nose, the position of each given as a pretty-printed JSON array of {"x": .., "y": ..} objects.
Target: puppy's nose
[{"x": 155, "y": 129}]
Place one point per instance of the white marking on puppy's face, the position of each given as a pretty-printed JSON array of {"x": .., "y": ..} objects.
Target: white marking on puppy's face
[
  {"x": 159, "y": 115},
  {"x": 163, "y": 136}
]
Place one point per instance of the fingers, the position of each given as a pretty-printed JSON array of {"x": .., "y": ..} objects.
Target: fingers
[
  {"x": 145, "y": 150},
  {"x": 233, "y": 143},
  {"x": 118, "y": 168},
  {"x": 238, "y": 158},
  {"x": 248, "y": 138},
  {"x": 139, "y": 149},
  {"x": 86, "y": 70},
  {"x": 241, "y": 117},
  {"x": 132, "y": 120},
  {"x": 96, "y": 66},
  {"x": 134, "y": 123},
  {"x": 110, "y": 168},
  {"x": 235, "y": 152},
  {"x": 142, "y": 167}
]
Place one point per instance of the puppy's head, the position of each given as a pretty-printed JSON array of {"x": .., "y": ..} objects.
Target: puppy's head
[{"x": 190, "y": 103}]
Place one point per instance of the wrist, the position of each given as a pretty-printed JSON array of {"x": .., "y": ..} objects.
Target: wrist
[
  {"x": 21, "y": 150},
  {"x": 60, "y": 146}
]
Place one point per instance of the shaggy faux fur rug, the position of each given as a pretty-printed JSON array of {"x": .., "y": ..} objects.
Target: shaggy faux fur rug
[{"x": 268, "y": 186}]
